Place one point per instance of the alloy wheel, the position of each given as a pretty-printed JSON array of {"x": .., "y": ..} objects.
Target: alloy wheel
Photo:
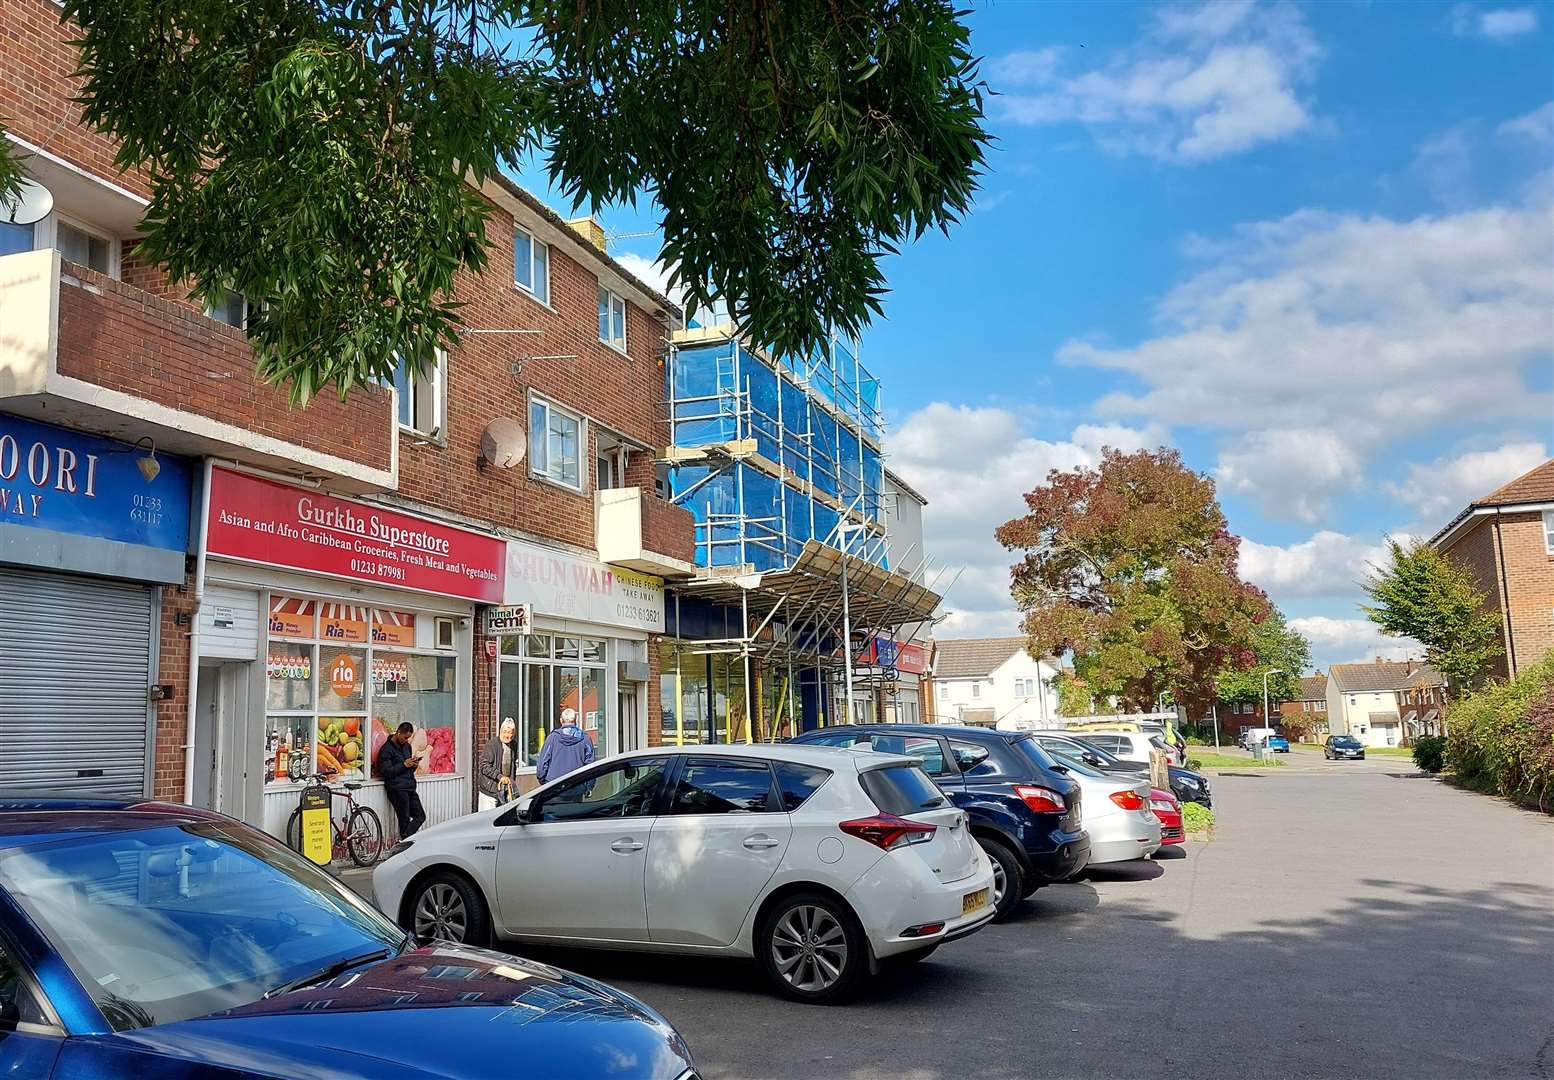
[
  {"x": 1000, "y": 882},
  {"x": 440, "y": 914},
  {"x": 809, "y": 947}
]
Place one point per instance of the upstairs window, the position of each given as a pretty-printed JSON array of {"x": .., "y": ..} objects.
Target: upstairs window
[
  {"x": 84, "y": 248},
  {"x": 14, "y": 239},
  {"x": 421, "y": 398},
  {"x": 1548, "y": 531},
  {"x": 531, "y": 265},
  {"x": 555, "y": 439},
  {"x": 231, "y": 308},
  {"x": 612, "y": 319}
]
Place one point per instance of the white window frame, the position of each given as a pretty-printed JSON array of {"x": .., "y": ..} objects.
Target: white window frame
[
  {"x": 1548, "y": 532},
  {"x": 611, "y": 300},
  {"x": 427, "y": 384},
  {"x": 210, "y": 312},
  {"x": 541, "y": 294},
  {"x": 51, "y": 224},
  {"x": 536, "y": 448}
]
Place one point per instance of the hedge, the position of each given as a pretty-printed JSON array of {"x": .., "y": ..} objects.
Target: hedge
[{"x": 1501, "y": 739}]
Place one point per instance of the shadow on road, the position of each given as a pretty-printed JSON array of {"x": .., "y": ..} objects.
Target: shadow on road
[
  {"x": 1136, "y": 870},
  {"x": 1171, "y": 854}
]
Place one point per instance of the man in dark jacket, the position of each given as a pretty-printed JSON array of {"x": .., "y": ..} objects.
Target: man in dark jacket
[
  {"x": 498, "y": 761},
  {"x": 567, "y": 748},
  {"x": 396, "y": 768}
]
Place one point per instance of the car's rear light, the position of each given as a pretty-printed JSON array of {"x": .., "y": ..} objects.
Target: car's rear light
[
  {"x": 924, "y": 930},
  {"x": 1040, "y": 799},
  {"x": 1128, "y": 800},
  {"x": 888, "y": 831}
]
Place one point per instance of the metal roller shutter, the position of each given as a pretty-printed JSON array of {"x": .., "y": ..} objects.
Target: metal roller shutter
[{"x": 75, "y": 673}]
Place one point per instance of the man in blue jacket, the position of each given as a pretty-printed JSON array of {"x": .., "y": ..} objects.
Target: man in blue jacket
[{"x": 567, "y": 748}]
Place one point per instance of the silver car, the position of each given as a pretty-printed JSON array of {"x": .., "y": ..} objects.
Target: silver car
[{"x": 1116, "y": 812}]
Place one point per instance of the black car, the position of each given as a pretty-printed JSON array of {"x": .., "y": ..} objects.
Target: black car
[
  {"x": 1186, "y": 785},
  {"x": 1023, "y": 809},
  {"x": 1343, "y": 746}
]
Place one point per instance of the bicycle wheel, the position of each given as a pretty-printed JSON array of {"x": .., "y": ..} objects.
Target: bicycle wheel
[
  {"x": 364, "y": 836},
  {"x": 294, "y": 830}
]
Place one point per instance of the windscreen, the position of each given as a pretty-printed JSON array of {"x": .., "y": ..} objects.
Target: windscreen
[{"x": 901, "y": 790}]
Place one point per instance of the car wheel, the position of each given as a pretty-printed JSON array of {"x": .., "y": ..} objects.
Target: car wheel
[
  {"x": 446, "y": 907},
  {"x": 811, "y": 948},
  {"x": 1008, "y": 878}
]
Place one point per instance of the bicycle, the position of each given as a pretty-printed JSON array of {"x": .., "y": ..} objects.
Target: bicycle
[{"x": 359, "y": 831}]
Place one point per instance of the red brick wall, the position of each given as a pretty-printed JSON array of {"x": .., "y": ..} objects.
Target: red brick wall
[
  {"x": 1529, "y": 573},
  {"x": 666, "y": 529},
  {"x": 172, "y": 714},
  {"x": 122, "y": 338},
  {"x": 1476, "y": 551}
]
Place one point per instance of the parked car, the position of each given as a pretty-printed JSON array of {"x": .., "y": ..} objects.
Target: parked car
[
  {"x": 142, "y": 939},
  {"x": 1186, "y": 785},
  {"x": 1024, "y": 812},
  {"x": 1251, "y": 736},
  {"x": 1343, "y": 746},
  {"x": 814, "y": 863},
  {"x": 1278, "y": 744},
  {"x": 1169, "y": 811},
  {"x": 1117, "y": 813},
  {"x": 1133, "y": 745}
]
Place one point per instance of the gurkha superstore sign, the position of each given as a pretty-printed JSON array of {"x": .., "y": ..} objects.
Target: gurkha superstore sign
[{"x": 262, "y": 521}]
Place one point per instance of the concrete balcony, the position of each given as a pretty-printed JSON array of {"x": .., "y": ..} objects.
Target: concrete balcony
[
  {"x": 643, "y": 532},
  {"x": 81, "y": 349}
]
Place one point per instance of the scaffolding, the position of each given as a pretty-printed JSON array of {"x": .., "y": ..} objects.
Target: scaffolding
[{"x": 779, "y": 461}]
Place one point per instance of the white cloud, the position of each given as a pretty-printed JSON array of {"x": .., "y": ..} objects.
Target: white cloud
[
  {"x": 1289, "y": 472},
  {"x": 1330, "y": 564},
  {"x": 973, "y": 464},
  {"x": 1352, "y": 641},
  {"x": 1368, "y": 328},
  {"x": 1500, "y": 24},
  {"x": 1537, "y": 127},
  {"x": 1204, "y": 82},
  {"x": 1440, "y": 488},
  {"x": 652, "y": 272},
  {"x": 1445, "y": 164}
]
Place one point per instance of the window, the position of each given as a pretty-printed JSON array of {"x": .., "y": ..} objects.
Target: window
[
  {"x": 15, "y": 239},
  {"x": 926, "y": 749},
  {"x": 976, "y": 689},
  {"x": 1548, "y": 531},
  {"x": 555, "y": 439},
  {"x": 610, "y": 460},
  {"x": 1022, "y": 688},
  {"x": 627, "y": 789},
  {"x": 84, "y": 248},
  {"x": 531, "y": 265},
  {"x": 15, "y": 991},
  {"x": 710, "y": 786},
  {"x": 837, "y": 738},
  {"x": 973, "y": 759},
  {"x": 612, "y": 319},
  {"x": 796, "y": 783},
  {"x": 542, "y": 675},
  {"x": 944, "y": 690},
  {"x": 901, "y": 790},
  {"x": 231, "y": 308},
  {"x": 1321, "y": 706},
  {"x": 420, "y": 397}
]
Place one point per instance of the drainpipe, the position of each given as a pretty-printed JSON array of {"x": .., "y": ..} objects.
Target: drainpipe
[
  {"x": 1505, "y": 593},
  {"x": 191, "y": 716}
]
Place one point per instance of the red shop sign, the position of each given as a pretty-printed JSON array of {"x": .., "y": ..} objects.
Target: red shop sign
[{"x": 262, "y": 521}]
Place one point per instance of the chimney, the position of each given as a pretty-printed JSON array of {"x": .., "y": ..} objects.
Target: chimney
[
  {"x": 1409, "y": 670},
  {"x": 589, "y": 230}
]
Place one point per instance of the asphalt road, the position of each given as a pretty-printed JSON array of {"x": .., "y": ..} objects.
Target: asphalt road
[{"x": 1347, "y": 919}]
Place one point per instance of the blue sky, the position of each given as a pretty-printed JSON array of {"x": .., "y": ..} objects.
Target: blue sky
[{"x": 1308, "y": 245}]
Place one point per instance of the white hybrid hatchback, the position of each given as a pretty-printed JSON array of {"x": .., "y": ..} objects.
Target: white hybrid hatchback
[{"x": 822, "y": 865}]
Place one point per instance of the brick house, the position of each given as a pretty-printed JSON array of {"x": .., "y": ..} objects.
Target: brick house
[
  {"x": 1385, "y": 703},
  {"x": 170, "y": 522},
  {"x": 1309, "y": 711},
  {"x": 1506, "y": 540}
]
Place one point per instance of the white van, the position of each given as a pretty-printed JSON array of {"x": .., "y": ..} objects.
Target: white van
[{"x": 1251, "y": 736}]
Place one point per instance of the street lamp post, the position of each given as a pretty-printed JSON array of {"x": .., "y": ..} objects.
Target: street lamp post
[{"x": 1266, "y": 722}]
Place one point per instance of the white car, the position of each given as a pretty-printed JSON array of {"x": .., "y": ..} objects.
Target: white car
[
  {"x": 1132, "y": 745},
  {"x": 818, "y": 863},
  {"x": 1116, "y": 812}
]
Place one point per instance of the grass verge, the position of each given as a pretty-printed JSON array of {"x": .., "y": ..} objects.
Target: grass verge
[
  {"x": 1197, "y": 818},
  {"x": 1225, "y": 761}
]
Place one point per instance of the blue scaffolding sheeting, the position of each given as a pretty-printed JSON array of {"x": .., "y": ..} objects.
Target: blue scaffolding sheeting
[{"x": 773, "y": 454}]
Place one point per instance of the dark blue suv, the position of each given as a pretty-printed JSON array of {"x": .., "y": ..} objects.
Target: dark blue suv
[{"x": 1024, "y": 810}]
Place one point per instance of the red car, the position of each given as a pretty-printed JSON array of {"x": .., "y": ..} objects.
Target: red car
[{"x": 1169, "y": 811}]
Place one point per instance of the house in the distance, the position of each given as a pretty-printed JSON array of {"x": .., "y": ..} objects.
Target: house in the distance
[
  {"x": 1309, "y": 711},
  {"x": 1385, "y": 703},
  {"x": 1506, "y": 540},
  {"x": 990, "y": 681}
]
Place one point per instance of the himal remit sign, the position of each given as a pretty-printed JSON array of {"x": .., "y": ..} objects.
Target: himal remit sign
[{"x": 262, "y": 521}]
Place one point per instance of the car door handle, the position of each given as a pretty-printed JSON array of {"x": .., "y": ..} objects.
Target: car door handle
[
  {"x": 756, "y": 843},
  {"x": 626, "y": 846}
]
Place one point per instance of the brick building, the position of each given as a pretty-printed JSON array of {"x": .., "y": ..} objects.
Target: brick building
[
  {"x": 1385, "y": 703},
  {"x": 1506, "y": 539},
  {"x": 170, "y": 522},
  {"x": 1308, "y": 713}
]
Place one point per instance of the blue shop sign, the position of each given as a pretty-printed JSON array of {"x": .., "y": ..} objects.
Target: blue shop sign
[{"x": 72, "y": 501}]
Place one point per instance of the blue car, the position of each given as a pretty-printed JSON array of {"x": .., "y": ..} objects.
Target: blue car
[
  {"x": 1023, "y": 810},
  {"x": 1278, "y": 744},
  {"x": 163, "y": 942}
]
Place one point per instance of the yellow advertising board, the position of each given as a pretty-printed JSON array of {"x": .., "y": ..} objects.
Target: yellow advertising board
[{"x": 315, "y": 825}]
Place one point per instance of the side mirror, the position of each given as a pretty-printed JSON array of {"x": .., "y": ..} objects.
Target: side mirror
[
  {"x": 521, "y": 814},
  {"x": 1090, "y": 758}
]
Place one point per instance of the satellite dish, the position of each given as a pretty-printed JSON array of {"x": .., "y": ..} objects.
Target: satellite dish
[
  {"x": 32, "y": 206},
  {"x": 503, "y": 443}
]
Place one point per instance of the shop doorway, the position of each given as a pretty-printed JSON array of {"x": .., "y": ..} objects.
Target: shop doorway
[{"x": 227, "y": 740}]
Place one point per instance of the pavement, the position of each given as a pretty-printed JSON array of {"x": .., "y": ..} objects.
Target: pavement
[{"x": 1347, "y": 919}]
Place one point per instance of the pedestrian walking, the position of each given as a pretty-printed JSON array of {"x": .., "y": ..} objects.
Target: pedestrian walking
[
  {"x": 567, "y": 748},
  {"x": 498, "y": 761},
  {"x": 396, "y": 767}
]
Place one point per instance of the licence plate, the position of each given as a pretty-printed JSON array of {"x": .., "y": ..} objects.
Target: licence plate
[{"x": 973, "y": 900}]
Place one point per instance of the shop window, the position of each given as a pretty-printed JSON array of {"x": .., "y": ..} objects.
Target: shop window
[
  {"x": 531, "y": 265},
  {"x": 421, "y": 397},
  {"x": 84, "y": 248},
  {"x": 542, "y": 676},
  {"x": 612, "y": 319},
  {"x": 555, "y": 440}
]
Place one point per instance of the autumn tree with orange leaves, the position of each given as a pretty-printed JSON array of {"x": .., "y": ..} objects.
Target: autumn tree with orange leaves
[{"x": 1131, "y": 568}]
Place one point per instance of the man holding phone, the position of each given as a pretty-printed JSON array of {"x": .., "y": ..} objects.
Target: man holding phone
[{"x": 396, "y": 768}]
